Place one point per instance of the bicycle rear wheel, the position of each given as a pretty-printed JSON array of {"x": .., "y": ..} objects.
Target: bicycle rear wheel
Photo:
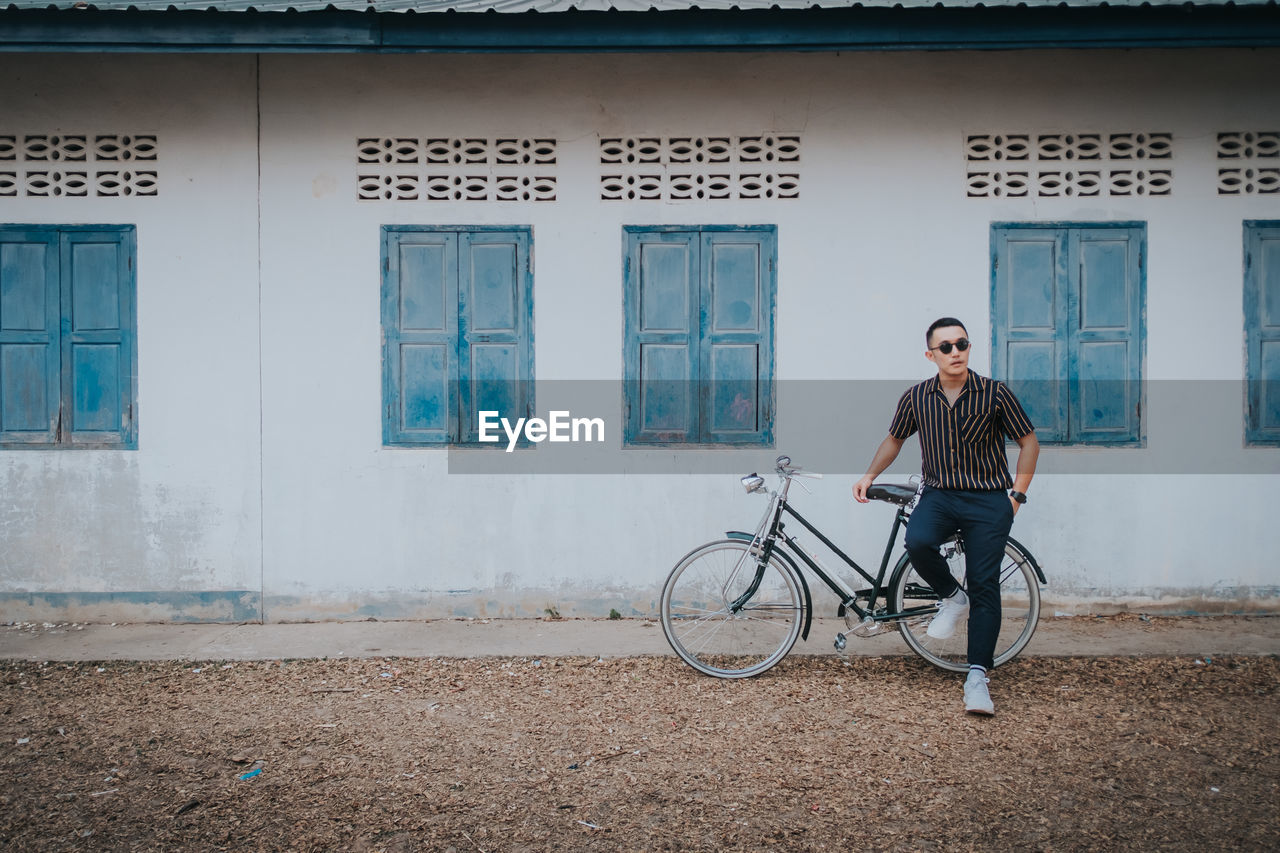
[
  {"x": 704, "y": 629},
  {"x": 1019, "y": 608}
]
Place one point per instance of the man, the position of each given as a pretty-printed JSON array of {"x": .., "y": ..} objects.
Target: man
[{"x": 962, "y": 419}]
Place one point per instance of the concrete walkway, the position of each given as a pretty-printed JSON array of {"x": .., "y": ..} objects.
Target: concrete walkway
[{"x": 1067, "y": 636}]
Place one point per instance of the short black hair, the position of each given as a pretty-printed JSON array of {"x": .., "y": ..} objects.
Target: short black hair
[{"x": 942, "y": 323}]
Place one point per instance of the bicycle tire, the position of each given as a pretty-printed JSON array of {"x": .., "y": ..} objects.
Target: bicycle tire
[
  {"x": 699, "y": 624},
  {"x": 1019, "y": 600}
]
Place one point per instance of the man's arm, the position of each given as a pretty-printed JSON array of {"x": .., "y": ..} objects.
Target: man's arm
[
  {"x": 885, "y": 454},
  {"x": 1028, "y": 453}
]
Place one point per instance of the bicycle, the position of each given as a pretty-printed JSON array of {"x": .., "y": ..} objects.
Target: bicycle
[{"x": 733, "y": 608}]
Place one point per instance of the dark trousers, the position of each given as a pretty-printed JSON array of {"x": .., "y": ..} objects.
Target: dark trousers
[{"x": 983, "y": 520}]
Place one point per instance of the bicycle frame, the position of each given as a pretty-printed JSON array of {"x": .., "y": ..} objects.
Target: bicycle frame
[{"x": 772, "y": 529}]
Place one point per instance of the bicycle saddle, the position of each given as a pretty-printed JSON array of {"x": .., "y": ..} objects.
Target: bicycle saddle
[{"x": 901, "y": 495}]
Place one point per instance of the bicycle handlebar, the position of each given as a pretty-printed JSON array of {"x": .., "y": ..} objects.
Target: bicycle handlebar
[{"x": 786, "y": 469}]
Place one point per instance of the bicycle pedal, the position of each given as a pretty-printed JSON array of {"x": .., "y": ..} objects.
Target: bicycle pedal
[{"x": 841, "y": 641}]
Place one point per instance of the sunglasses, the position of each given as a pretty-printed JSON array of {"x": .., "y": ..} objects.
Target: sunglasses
[{"x": 945, "y": 346}]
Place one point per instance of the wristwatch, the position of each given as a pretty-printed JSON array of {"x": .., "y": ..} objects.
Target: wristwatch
[{"x": 1018, "y": 496}]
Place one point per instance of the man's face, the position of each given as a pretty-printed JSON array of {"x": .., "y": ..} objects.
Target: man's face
[{"x": 954, "y": 363}]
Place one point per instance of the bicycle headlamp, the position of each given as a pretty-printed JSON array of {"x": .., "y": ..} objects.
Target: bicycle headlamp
[{"x": 753, "y": 483}]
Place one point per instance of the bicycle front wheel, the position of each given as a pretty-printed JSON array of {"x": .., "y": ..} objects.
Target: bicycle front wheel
[
  {"x": 1019, "y": 608},
  {"x": 728, "y": 614}
]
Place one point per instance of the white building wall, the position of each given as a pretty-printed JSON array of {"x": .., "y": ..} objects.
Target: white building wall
[
  {"x": 260, "y": 468},
  {"x": 107, "y": 534}
]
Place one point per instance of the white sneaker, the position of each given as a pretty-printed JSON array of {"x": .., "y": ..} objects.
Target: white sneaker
[
  {"x": 951, "y": 611},
  {"x": 977, "y": 699}
]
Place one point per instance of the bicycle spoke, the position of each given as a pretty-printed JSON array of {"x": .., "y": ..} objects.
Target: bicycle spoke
[
  {"x": 772, "y": 623},
  {"x": 722, "y": 611},
  {"x": 715, "y": 629}
]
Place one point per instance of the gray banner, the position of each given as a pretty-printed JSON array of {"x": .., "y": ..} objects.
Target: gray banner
[{"x": 834, "y": 427}]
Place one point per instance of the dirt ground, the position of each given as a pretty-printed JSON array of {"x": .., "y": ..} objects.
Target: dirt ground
[{"x": 505, "y": 754}]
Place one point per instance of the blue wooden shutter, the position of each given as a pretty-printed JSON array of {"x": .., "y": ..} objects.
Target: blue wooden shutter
[
  {"x": 494, "y": 327},
  {"x": 420, "y": 341},
  {"x": 735, "y": 361},
  {"x": 662, "y": 291},
  {"x": 30, "y": 355},
  {"x": 1262, "y": 331},
  {"x": 97, "y": 340},
  {"x": 1029, "y": 323},
  {"x": 1068, "y": 328},
  {"x": 1106, "y": 335}
]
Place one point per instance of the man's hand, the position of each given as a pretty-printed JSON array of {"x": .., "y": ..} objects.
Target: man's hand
[
  {"x": 885, "y": 454},
  {"x": 1015, "y": 505},
  {"x": 860, "y": 489}
]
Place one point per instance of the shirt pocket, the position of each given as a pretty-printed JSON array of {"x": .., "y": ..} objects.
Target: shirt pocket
[{"x": 976, "y": 428}]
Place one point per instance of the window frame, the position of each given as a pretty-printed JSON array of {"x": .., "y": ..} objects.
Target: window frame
[
  {"x": 64, "y": 437},
  {"x": 704, "y": 235},
  {"x": 1071, "y": 386},
  {"x": 460, "y": 432}
]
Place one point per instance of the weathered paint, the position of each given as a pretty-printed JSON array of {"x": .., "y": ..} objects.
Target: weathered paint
[
  {"x": 1262, "y": 331},
  {"x": 260, "y": 463},
  {"x": 237, "y": 605},
  {"x": 457, "y": 330},
  {"x": 68, "y": 354},
  {"x": 699, "y": 306},
  {"x": 1068, "y": 327}
]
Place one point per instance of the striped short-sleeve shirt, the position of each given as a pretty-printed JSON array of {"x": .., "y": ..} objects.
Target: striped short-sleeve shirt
[{"x": 962, "y": 445}]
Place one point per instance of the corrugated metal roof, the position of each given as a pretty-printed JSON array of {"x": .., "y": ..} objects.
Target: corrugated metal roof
[{"x": 514, "y": 6}]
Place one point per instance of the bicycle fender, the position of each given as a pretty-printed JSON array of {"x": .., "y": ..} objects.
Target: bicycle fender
[
  {"x": 893, "y": 576},
  {"x": 1030, "y": 559},
  {"x": 740, "y": 536}
]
